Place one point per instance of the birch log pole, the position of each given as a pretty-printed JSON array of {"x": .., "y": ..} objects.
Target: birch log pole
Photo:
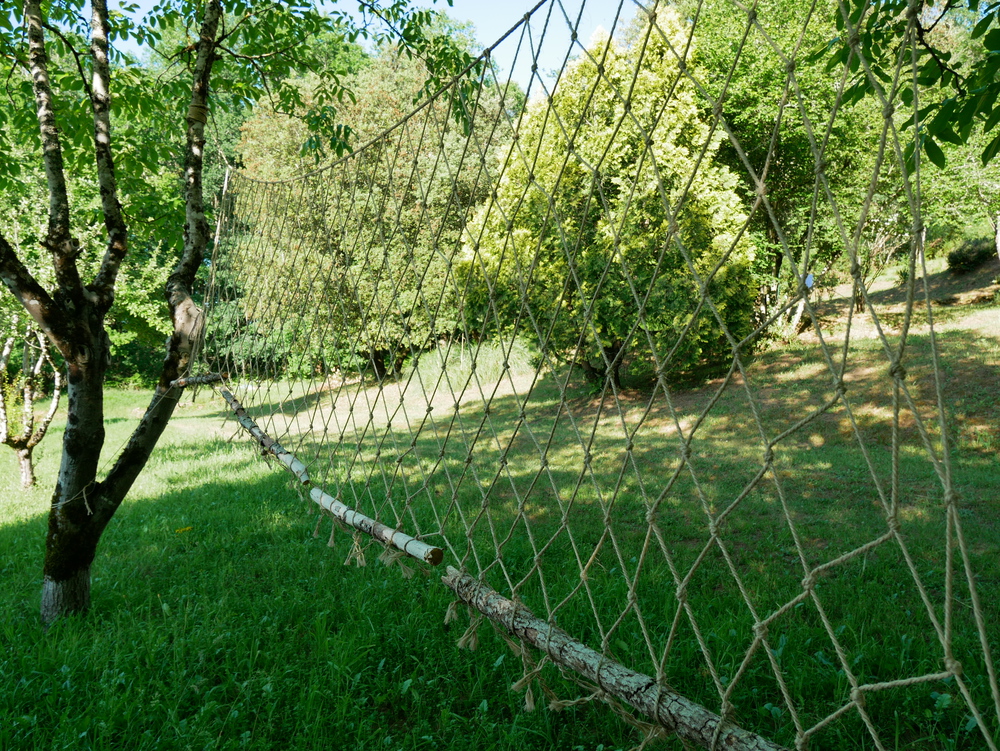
[
  {"x": 355, "y": 519},
  {"x": 690, "y": 721},
  {"x": 387, "y": 535},
  {"x": 270, "y": 445}
]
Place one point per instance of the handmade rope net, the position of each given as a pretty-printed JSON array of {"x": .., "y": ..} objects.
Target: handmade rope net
[{"x": 530, "y": 334}]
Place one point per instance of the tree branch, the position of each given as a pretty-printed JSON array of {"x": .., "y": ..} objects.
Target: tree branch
[
  {"x": 942, "y": 64},
  {"x": 76, "y": 55},
  {"x": 64, "y": 248},
  {"x": 258, "y": 57},
  {"x": 100, "y": 98},
  {"x": 43, "y": 427},
  {"x": 187, "y": 318},
  {"x": 33, "y": 297}
]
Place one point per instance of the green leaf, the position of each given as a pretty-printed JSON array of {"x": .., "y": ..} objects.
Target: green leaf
[
  {"x": 948, "y": 135},
  {"x": 934, "y": 152},
  {"x": 992, "y": 40},
  {"x": 991, "y": 150},
  {"x": 980, "y": 28}
]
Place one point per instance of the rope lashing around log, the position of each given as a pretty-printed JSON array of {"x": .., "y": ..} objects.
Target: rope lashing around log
[
  {"x": 691, "y": 721},
  {"x": 356, "y": 520}
]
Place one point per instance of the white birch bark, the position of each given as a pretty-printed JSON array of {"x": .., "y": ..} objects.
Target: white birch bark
[
  {"x": 355, "y": 519},
  {"x": 270, "y": 445},
  {"x": 692, "y": 722},
  {"x": 381, "y": 532}
]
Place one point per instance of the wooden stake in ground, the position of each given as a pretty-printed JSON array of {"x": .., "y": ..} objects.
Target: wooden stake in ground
[{"x": 692, "y": 722}]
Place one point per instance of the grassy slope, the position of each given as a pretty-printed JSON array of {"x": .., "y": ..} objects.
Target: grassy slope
[{"x": 220, "y": 622}]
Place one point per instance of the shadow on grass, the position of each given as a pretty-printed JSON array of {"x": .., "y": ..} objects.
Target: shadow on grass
[
  {"x": 220, "y": 621},
  {"x": 553, "y": 495}
]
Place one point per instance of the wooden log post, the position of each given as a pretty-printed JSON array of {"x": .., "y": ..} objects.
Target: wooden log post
[
  {"x": 355, "y": 519},
  {"x": 387, "y": 535},
  {"x": 692, "y": 722}
]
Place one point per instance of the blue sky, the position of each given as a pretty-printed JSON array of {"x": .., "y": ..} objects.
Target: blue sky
[{"x": 493, "y": 18}]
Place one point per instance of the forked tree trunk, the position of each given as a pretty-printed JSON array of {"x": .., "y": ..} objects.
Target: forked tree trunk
[{"x": 73, "y": 317}]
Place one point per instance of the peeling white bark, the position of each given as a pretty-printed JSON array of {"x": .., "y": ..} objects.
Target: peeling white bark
[
  {"x": 392, "y": 537},
  {"x": 270, "y": 445},
  {"x": 688, "y": 720},
  {"x": 355, "y": 519}
]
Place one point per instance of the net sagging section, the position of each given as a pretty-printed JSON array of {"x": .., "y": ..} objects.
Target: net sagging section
[{"x": 527, "y": 325}]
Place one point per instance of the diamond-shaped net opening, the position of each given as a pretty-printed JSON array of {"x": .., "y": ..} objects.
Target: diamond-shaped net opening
[{"x": 540, "y": 335}]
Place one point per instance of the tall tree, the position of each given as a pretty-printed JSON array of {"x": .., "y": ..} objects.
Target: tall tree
[
  {"x": 612, "y": 219},
  {"x": 87, "y": 111}
]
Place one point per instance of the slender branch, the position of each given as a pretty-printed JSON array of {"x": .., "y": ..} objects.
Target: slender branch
[
  {"x": 104, "y": 283},
  {"x": 8, "y": 347},
  {"x": 64, "y": 248},
  {"x": 226, "y": 34},
  {"x": 258, "y": 57},
  {"x": 27, "y": 409},
  {"x": 76, "y": 55},
  {"x": 43, "y": 426},
  {"x": 942, "y": 64}
]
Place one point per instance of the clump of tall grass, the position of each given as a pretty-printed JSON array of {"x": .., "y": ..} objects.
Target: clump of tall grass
[{"x": 488, "y": 359}]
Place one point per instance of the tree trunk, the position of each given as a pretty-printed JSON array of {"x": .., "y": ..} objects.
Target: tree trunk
[
  {"x": 996, "y": 235},
  {"x": 377, "y": 359},
  {"x": 27, "y": 468},
  {"x": 615, "y": 354},
  {"x": 74, "y": 527},
  {"x": 70, "y": 595}
]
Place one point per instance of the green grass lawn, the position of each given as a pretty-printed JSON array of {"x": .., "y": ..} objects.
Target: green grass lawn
[{"x": 220, "y": 621}]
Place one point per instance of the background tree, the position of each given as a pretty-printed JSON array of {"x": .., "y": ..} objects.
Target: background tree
[
  {"x": 597, "y": 236},
  {"x": 82, "y": 113},
  {"x": 382, "y": 283},
  {"x": 26, "y": 370}
]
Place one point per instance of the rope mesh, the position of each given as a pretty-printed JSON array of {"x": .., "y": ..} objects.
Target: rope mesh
[{"x": 482, "y": 331}]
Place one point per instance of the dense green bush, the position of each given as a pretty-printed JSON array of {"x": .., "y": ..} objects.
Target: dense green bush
[{"x": 970, "y": 255}]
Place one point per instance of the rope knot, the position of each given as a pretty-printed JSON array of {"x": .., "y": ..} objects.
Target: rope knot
[
  {"x": 897, "y": 371},
  {"x": 790, "y": 67},
  {"x": 841, "y": 387},
  {"x": 682, "y": 594},
  {"x": 858, "y": 697},
  {"x": 888, "y": 111},
  {"x": 760, "y": 630},
  {"x": 809, "y": 582},
  {"x": 855, "y": 270},
  {"x": 954, "y": 666}
]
